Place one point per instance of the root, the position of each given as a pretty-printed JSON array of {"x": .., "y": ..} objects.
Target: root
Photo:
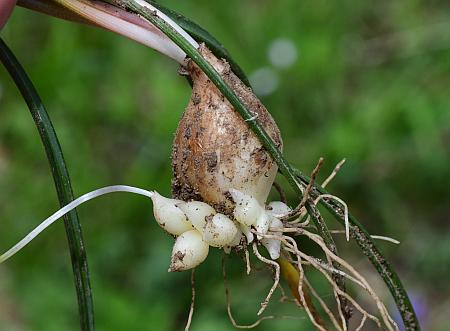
[
  {"x": 312, "y": 318},
  {"x": 347, "y": 224},
  {"x": 281, "y": 192},
  {"x": 228, "y": 299},
  {"x": 67, "y": 208},
  {"x": 299, "y": 210},
  {"x": 324, "y": 184},
  {"x": 333, "y": 174},
  {"x": 325, "y": 307},
  {"x": 333, "y": 284},
  {"x": 389, "y": 322},
  {"x": 363, "y": 320},
  {"x": 247, "y": 260},
  {"x": 191, "y": 310},
  {"x": 290, "y": 246},
  {"x": 384, "y": 238},
  {"x": 276, "y": 266}
]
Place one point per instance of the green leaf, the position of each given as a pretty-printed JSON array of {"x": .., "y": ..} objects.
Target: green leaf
[{"x": 62, "y": 183}]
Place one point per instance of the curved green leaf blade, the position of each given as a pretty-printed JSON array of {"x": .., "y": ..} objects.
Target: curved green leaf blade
[{"x": 62, "y": 184}]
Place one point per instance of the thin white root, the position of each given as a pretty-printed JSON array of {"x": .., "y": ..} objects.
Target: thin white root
[
  {"x": 74, "y": 204},
  {"x": 392, "y": 240},
  {"x": 265, "y": 303},
  {"x": 325, "y": 307},
  {"x": 191, "y": 310},
  {"x": 333, "y": 174},
  {"x": 302, "y": 295},
  {"x": 342, "y": 202},
  {"x": 332, "y": 283},
  {"x": 384, "y": 238},
  {"x": 291, "y": 247},
  {"x": 363, "y": 321},
  {"x": 324, "y": 184},
  {"x": 228, "y": 299},
  {"x": 247, "y": 260},
  {"x": 389, "y": 322}
]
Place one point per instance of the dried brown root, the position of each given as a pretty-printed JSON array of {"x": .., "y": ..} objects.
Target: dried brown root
[
  {"x": 363, "y": 321},
  {"x": 297, "y": 211},
  {"x": 381, "y": 307},
  {"x": 325, "y": 307},
  {"x": 191, "y": 310},
  {"x": 290, "y": 243},
  {"x": 333, "y": 174},
  {"x": 290, "y": 246},
  {"x": 324, "y": 184},
  {"x": 333, "y": 284},
  {"x": 312, "y": 318}
]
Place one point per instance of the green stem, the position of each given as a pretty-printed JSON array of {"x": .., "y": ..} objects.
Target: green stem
[{"x": 62, "y": 184}]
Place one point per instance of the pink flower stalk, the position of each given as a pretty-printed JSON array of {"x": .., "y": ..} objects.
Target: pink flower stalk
[{"x": 6, "y": 7}]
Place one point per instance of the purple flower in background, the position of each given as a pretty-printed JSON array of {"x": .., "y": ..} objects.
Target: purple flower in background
[
  {"x": 420, "y": 306},
  {"x": 6, "y": 7}
]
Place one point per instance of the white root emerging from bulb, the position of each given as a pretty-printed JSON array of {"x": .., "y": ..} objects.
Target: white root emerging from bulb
[
  {"x": 63, "y": 211},
  {"x": 196, "y": 225}
]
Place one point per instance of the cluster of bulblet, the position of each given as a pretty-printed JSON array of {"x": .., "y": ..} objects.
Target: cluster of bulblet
[{"x": 197, "y": 226}]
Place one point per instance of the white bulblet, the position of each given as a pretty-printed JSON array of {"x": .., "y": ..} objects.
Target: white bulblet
[
  {"x": 247, "y": 208},
  {"x": 278, "y": 208},
  {"x": 219, "y": 230},
  {"x": 236, "y": 241},
  {"x": 262, "y": 223},
  {"x": 188, "y": 252},
  {"x": 196, "y": 213},
  {"x": 169, "y": 216},
  {"x": 247, "y": 233},
  {"x": 273, "y": 246}
]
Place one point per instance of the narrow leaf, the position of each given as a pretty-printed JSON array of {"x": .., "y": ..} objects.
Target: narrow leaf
[{"x": 62, "y": 184}]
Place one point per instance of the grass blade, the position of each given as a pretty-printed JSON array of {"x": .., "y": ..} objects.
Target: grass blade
[{"x": 62, "y": 184}]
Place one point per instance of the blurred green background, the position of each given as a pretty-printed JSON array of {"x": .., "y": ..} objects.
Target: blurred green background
[{"x": 368, "y": 81}]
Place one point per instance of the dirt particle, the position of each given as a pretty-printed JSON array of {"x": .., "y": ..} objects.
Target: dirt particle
[{"x": 211, "y": 160}]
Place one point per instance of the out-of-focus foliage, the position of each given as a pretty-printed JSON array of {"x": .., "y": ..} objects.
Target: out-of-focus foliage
[{"x": 370, "y": 82}]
